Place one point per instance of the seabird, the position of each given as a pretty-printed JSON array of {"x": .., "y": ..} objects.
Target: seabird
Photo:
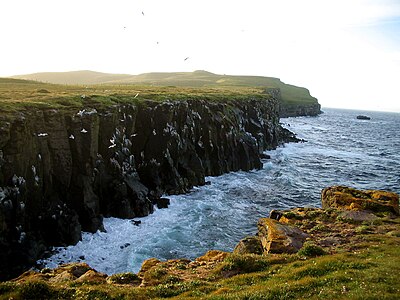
[{"x": 186, "y": 58}]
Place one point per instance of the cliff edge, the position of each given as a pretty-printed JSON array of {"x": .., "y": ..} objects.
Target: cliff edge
[{"x": 62, "y": 169}]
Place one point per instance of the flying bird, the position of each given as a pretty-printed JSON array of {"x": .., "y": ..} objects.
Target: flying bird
[
  {"x": 143, "y": 13},
  {"x": 186, "y": 58}
]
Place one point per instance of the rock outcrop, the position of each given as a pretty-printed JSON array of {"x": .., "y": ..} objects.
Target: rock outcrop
[
  {"x": 346, "y": 212},
  {"x": 62, "y": 171},
  {"x": 346, "y": 198},
  {"x": 279, "y": 238},
  {"x": 302, "y": 109}
]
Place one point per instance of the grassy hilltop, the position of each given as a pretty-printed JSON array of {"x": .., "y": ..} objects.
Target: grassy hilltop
[
  {"x": 197, "y": 79},
  {"x": 16, "y": 94}
]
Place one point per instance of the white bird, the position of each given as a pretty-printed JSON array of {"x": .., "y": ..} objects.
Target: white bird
[
  {"x": 84, "y": 130},
  {"x": 136, "y": 95},
  {"x": 72, "y": 137}
]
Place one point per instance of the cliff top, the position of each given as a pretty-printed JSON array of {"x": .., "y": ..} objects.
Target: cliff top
[
  {"x": 18, "y": 94},
  {"x": 196, "y": 79}
]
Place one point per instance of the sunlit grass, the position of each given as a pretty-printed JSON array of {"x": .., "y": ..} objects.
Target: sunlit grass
[
  {"x": 370, "y": 273},
  {"x": 20, "y": 94}
]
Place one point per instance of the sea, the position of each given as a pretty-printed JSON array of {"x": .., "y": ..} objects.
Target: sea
[{"x": 339, "y": 149}]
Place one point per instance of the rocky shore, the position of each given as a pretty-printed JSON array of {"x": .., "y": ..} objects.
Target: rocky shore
[
  {"x": 62, "y": 170},
  {"x": 343, "y": 249}
]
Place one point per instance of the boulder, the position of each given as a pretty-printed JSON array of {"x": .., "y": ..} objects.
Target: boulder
[
  {"x": 213, "y": 256},
  {"x": 249, "y": 245},
  {"x": 162, "y": 203},
  {"x": 346, "y": 198},
  {"x": 279, "y": 238},
  {"x": 147, "y": 265}
]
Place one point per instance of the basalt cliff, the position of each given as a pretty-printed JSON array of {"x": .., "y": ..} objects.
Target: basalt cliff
[{"x": 62, "y": 170}]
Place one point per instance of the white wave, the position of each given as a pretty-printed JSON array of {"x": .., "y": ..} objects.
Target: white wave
[{"x": 217, "y": 216}]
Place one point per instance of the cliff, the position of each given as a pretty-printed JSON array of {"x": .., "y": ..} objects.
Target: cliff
[
  {"x": 63, "y": 169},
  {"x": 288, "y": 109},
  {"x": 349, "y": 249}
]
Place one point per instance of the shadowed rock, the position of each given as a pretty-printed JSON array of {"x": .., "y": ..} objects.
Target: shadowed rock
[{"x": 249, "y": 245}]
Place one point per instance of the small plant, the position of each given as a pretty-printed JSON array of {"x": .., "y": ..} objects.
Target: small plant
[
  {"x": 311, "y": 250},
  {"x": 245, "y": 263},
  {"x": 363, "y": 229},
  {"x": 124, "y": 278}
]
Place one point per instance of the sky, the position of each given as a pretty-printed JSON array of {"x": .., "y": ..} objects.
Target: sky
[{"x": 346, "y": 52}]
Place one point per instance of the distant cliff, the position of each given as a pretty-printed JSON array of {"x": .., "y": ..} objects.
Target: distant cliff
[
  {"x": 62, "y": 170},
  {"x": 296, "y": 110}
]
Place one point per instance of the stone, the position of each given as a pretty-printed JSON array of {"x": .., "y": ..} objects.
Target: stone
[
  {"x": 357, "y": 216},
  {"x": 249, "y": 245},
  {"x": 275, "y": 214},
  {"x": 213, "y": 256},
  {"x": 62, "y": 277},
  {"x": 147, "y": 265},
  {"x": 162, "y": 203},
  {"x": 346, "y": 198},
  {"x": 92, "y": 276},
  {"x": 279, "y": 238}
]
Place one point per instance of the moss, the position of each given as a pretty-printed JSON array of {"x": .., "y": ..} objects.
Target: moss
[{"x": 292, "y": 215}]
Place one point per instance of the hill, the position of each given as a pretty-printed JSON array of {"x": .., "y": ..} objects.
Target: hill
[{"x": 73, "y": 78}]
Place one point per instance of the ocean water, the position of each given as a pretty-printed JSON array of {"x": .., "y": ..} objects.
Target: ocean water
[{"x": 340, "y": 150}]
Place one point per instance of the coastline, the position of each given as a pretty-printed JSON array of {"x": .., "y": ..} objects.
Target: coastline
[{"x": 335, "y": 250}]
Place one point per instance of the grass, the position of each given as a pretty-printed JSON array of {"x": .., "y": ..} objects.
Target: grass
[
  {"x": 18, "y": 95},
  {"x": 369, "y": 273},
  {"x": 176, "y": 85}
]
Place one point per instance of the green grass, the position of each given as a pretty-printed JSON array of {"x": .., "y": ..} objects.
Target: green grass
[
  {"x": 199, "y": 79},
  {"x": 370, "y": 273},
  {"x": 18, "y": 95}
]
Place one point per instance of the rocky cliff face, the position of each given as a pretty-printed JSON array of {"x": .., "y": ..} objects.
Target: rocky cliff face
[
  {"x": 62, "y": 171},
  {"x": 297, "y": 110}
]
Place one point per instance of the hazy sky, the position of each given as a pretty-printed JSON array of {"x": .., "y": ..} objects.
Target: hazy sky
[{"x": 346, "y": 52}]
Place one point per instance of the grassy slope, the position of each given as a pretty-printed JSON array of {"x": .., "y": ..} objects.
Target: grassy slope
[
  {"x": 290, "y": 93},
  {"x": 365, "y": 265},
  {"x": 17, "y": 94}
]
